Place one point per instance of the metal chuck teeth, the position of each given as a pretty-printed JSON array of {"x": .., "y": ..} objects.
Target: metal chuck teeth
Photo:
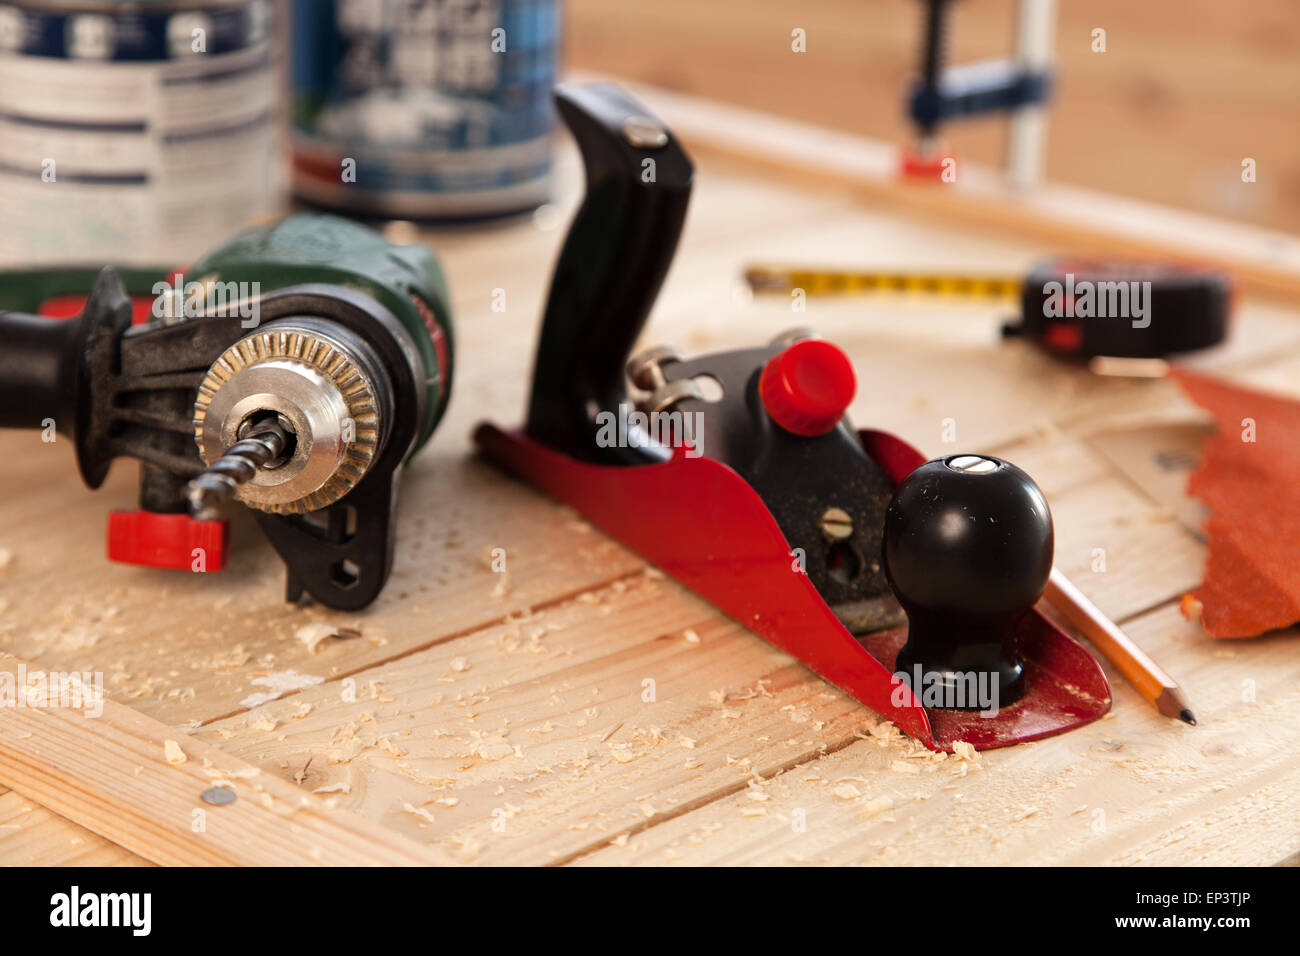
[{"x": 325, "y": 389}]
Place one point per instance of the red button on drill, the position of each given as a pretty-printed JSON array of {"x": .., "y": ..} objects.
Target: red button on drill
[
  {"x": 807, "y": 388},
  {"x": 176, "y": 542}
]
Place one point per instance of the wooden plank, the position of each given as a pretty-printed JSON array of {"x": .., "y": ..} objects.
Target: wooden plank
[
  {"x": 1135, "y": 788},
  {"x": 31, "y": 835},
  {"x": 540, "y": 733},
  {"x": 1122, "y": 551},
  {"x": 1076, "y": 220},
  {"x": 115, "y": 774},
  {"x": 567, "y": 688}
]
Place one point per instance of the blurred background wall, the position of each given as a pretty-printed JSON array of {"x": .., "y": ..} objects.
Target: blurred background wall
[{"x": 1184, "y": 92}]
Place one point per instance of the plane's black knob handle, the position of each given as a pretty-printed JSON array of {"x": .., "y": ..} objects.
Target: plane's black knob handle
[
  {"x": 968, "y": 549},
  {"x": 614, "y": 260}
]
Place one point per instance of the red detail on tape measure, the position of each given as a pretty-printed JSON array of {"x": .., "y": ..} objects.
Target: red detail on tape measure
[
  {"x": 1063, "y": 337},
  {"x": 807, "y": 388},
  {"x": 174, "y": 541}
]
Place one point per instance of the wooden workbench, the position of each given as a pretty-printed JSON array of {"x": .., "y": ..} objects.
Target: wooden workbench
[{"x": 505, "y": 718}]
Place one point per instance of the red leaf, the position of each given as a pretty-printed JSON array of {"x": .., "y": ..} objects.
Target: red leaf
[{"x": 1252, "y": 578}]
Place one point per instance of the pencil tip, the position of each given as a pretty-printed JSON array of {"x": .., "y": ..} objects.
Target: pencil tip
[{"x": 1187, "y": 716}]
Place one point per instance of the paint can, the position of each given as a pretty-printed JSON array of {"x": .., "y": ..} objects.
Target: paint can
[
  {"x": 424, "y": 109},
  {"x": 134, "y": 132}
]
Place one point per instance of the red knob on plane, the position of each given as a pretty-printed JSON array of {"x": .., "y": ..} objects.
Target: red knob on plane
[
  {"x": 175, "y": 541},
  {"x": 807, "y": 388}
]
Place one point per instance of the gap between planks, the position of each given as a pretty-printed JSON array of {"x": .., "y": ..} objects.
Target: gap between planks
[{"x": 506, "y": 618}]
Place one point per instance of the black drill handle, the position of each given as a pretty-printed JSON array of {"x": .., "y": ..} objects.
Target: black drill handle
[
  {"x": 60, "y": 370},
  {"x": 39, "y": 367},
  {"x": 614, "y": 260}
]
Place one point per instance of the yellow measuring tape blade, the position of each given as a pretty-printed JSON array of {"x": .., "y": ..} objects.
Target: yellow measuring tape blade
[{"x": 830, "y": 282}]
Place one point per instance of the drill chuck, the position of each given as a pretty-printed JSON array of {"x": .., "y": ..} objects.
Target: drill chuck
[{"x": 327, "y": 395}]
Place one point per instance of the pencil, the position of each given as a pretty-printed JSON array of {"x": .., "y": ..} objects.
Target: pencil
[{"x": 1133, "y": 662}]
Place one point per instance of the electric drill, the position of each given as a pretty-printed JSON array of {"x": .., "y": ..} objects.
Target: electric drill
[{"x": 294, "y": 369}]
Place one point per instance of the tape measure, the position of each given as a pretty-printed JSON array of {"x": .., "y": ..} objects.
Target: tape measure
[{"x": 1081, "y": 308}]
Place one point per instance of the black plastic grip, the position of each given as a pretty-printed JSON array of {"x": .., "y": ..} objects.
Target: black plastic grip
[
  {"x": 40, "y": 361},
  {"x": 613, "y": 262},
  {"x": 60, "y": 370}
]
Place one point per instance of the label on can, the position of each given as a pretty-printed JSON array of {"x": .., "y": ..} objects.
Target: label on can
[
  {"x": 133, "y": 132},
  {"x": 424, "y": 108}
]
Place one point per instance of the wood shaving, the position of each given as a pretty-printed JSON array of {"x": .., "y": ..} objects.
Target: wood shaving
[
  {"x": 6, "y": 559},
  {"x": 420, "y": 812},
  {"x": 279, "y": 683},
  {"x": 884, "y": 732},
  {"x": 172, "y": 751},
  {"x": 876, "y": 806},
  {"x": 314, "y": 633},
  {"x": 492, "y": 749},
  {"x": 690, "y": 636},
  {"x": 846, "y": 791},
  {"x": 247, "y": 773},
  {"x": 621, "y": 753},
  {"x": 964, "y": 751}
]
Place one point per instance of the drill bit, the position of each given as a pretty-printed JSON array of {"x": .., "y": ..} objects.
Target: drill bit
[{"x": 264, "y": 443}]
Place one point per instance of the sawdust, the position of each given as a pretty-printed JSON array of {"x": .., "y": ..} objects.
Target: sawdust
[
  {"x": 279, "y": 682},
  {"x": 314, "y": 634},
  {"x": 876, "y": 806},
  {"x": 172, "y": 751},
  {"x": 420, "y": 812},
  {"x": 964, "y": 751},
  {"x": 6, "y": 559}
]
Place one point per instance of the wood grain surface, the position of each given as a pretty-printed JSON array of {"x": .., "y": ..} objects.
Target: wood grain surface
[{"x": 580, "y": 708}]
